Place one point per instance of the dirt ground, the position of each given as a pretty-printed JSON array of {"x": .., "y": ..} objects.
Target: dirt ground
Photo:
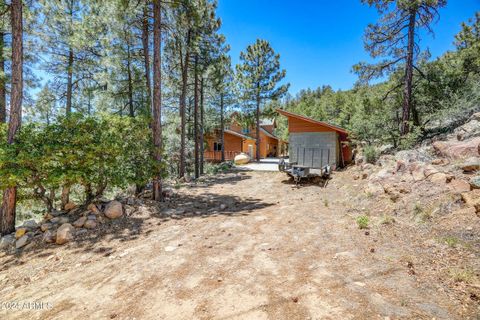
[{"x": 275, "y": 252}]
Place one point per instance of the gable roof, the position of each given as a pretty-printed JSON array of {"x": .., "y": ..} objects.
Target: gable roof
[
  {"x": 307, "y": 119},
  {"x": 234, "y": 133}
]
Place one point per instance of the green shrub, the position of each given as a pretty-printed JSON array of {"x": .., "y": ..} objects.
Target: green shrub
[
  {"x": 362, "y": 222},
  {"x": 77, "y": 151},
  {"x": 370, "y": 153}
]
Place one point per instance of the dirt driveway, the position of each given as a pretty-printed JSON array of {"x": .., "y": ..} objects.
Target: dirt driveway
[{"x": 247, "y": 245}]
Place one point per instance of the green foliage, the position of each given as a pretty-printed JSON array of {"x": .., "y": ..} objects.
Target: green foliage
[
  {"x": 215, "y": 168},
  {"x": 92, "y": 152},
  {"x": 370, "y": 153},
  {"x": 362, "y": 222}
]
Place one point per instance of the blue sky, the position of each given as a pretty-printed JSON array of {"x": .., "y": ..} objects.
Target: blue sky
[{"x": 320, "y": 40}]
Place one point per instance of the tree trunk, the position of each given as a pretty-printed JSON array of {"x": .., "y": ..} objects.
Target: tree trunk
[
  {"x": 202, "y": 111},
  {"x": 407, "y": 98},
  {"x": 222, "y": 128},
  {"x": 8, "y": 210},
  {"x": 3, "y": 92},
  {"x": 65, "y": 197},
  {"x": 130, "y": 85},
  {"x": 195, "y": 119},
  {"x": 257, "y": 129},
  {"x": 146, "y": 56},
  {"x": 157, "y": 99},
  {"x": 183, "y": 102},
  {"x": 68, "y": 108}
]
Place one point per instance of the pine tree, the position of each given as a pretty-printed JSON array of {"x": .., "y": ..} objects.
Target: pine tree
[
  {"x": 395, "y": 37},
  {"x": 222, "y": 83},
  {"x": 9, "y": 201},
  {"x": 157, "y": 98},
  {"x": 258, "y": 76}
]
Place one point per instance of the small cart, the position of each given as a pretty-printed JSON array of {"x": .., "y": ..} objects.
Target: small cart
[{"x": 307, "y": 163}]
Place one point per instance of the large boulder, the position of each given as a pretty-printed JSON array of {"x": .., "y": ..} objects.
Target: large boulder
[
  {"x": 64, "y": 233},
  {"x": 458, "y": 149},
  {"x": 469, "y": 129},
  {"x": 472, "y": 199},
  {"x": 22, "y": 242},
  {"x": 475, "y": 182},
  {"x": 79, "y": 222},
  {"x": 114, "y": 210},
  {"x": 241, "y": 158},
  {"x": 7, "y": 241},
  {"x": 20, "y": 232},
  {"x": 471, "y": 164},
  {"x": 30, "y": 224},
  {"x": 458, "y": 186}
]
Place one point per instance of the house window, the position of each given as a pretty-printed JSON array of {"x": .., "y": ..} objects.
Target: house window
[
  {"x": 217, "y": 146},
  {"x": 245, "y": 130}
]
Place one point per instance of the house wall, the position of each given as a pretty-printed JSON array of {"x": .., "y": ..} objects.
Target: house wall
[
  {"x": 297, "y": 125},
  {"x": 267, "y": 145},
  {"x": 326, "y": 146}
]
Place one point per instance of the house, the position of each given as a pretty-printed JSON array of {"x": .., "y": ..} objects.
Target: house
[
  {"x": 316, "y": 143},
  {"x": 239, "y": 139}
]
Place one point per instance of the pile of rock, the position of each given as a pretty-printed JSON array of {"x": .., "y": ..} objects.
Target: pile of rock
[{"x": 61, "y": 227}]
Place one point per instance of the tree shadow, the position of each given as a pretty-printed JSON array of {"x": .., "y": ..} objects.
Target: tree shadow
[
  {"x": 316, "y": 181},
  {"x": 141, "y": 219}
]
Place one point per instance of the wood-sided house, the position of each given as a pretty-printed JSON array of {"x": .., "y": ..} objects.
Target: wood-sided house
[
  {"x": 315, "y": 143},
  {"x": 242, "y": 140}
]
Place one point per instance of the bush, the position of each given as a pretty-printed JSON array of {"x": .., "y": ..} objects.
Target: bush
[
  {"x": 370, "y": 153},
  {"x": 90, "y": 152},
  {"x": 362, "y": 222}
]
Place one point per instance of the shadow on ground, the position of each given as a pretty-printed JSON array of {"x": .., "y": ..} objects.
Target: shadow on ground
[{"x": 140, "y": 219}]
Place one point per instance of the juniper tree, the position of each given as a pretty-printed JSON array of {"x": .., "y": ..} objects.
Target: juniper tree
[
  {"x": 395, "y": 37},
  {"x": 258, "y": 77}
]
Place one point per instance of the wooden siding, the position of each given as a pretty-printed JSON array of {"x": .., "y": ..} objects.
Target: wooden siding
[{"x": 298, "y": 125}]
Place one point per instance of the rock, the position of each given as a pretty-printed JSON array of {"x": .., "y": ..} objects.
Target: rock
[
  {"x": 440, "y": 162},
  {"x": 475, "y": 182},
  {"x": 356, "y": 177},
  {"x": 469, "y": 129},
  {"x": 472, "y": 199},
  {"x": 80, "y": 222},
  {"x": 114, "y": 210},
  {"x": 92, "y": 217},
  {"x": 241, "y": 158},
  {"x": 46, "y": 226},
  {"x": 20, "y": 232},
  {"x": 458, "y": 149},
  {"x": 64, "y": 233},
  {"x": 429, "y": 170},
  {"x": 458, "y": 186},
  {"x": 70, "y": 206},
  {"x": 30, "y": 224},
  {"x": 223, "y": 206},
  {"x": 60, "y": 220},
  {"x": 92, "y": 207},
  {"x": 7, "y": 241},
  {"x": 49, "y": 236},
  {"x": 90, "y": 224},
  {"x": 438, "y": 178},
  {"x": 471, "y": 164},
  {"x": 21, "y": 242}
]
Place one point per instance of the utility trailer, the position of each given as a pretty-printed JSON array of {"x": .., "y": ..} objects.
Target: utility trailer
[{"x": 307, "y": 162}]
